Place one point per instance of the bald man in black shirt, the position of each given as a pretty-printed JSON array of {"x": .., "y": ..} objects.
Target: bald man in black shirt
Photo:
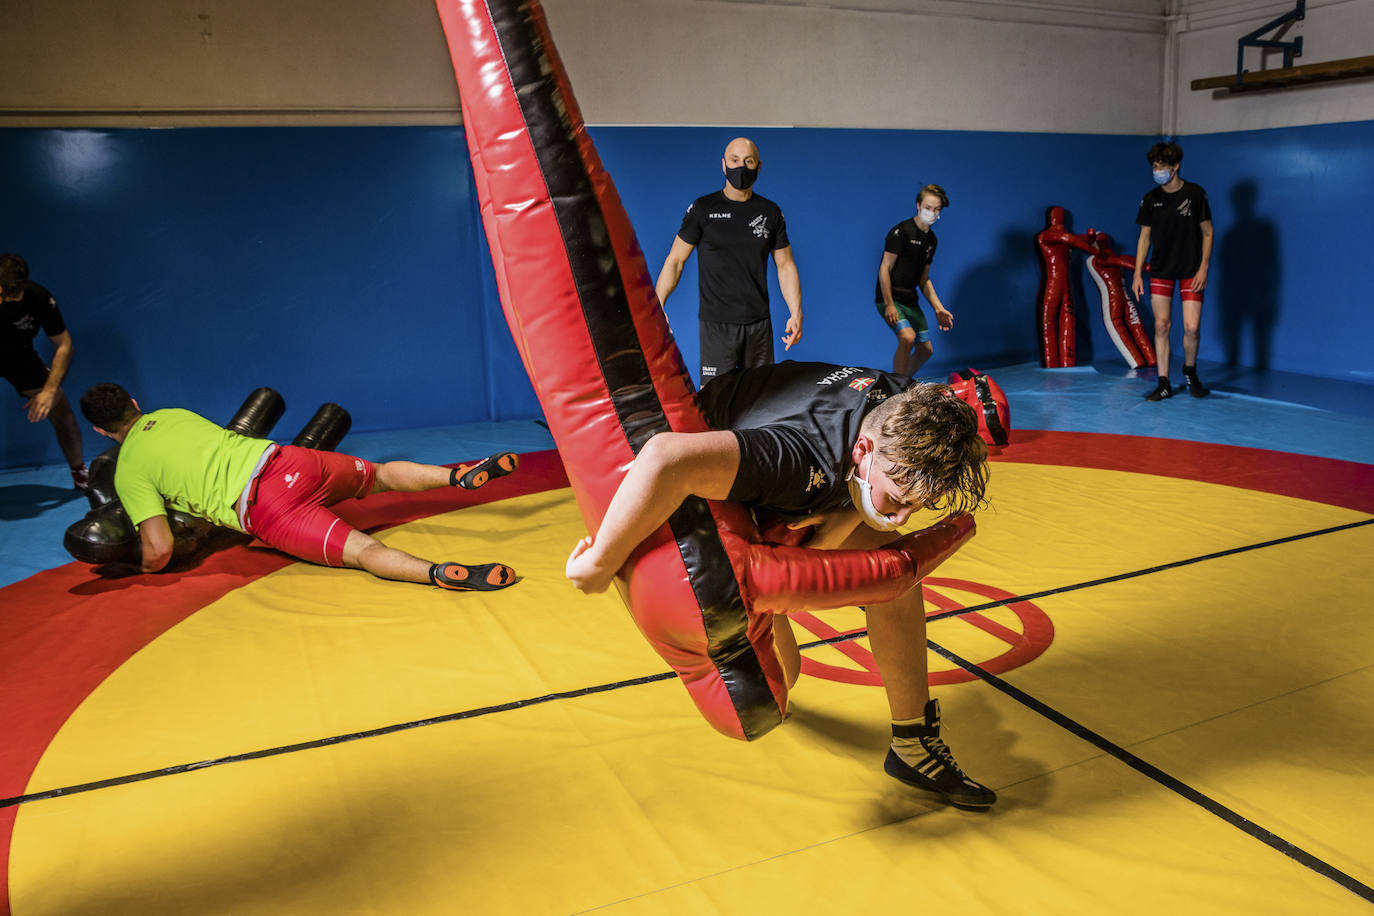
[{"x": 735, "y": 229}]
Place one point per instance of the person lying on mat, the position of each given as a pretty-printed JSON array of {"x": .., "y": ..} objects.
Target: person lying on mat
[
  {"x": 277, "y": 494},
  {"x": 850, "y": 453}
]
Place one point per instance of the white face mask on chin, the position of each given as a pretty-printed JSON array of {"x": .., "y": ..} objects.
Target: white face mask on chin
[{"x": 861, "y": 492}]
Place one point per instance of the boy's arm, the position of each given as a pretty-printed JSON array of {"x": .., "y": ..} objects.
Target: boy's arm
[
  {"x": 155, "y": 535},
  {"x": 670, "y": 468},
  {"x": 942, "y": 315},
  {"x": 1142, "y": 248},
  {"x": 1200, "y": 278}
]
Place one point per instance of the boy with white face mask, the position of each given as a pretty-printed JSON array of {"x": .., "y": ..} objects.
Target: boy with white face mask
[
  {"x": 843, "y": 456},
  {"x": 1176, "y": 229},
  {"x": 908, "y": 250}
]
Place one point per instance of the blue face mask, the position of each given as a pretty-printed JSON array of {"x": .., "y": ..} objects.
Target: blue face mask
[
  {"x": 1163, "y": 176},
  {"x": 861, "y": 492}
]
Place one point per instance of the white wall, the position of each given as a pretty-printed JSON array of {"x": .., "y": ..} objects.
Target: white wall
[
  {"x": 1018, "y": 65},
  {"x": 1208, "y": 32}
]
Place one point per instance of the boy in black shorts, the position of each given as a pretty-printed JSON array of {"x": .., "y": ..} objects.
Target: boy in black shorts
[
  {"x": 1176, "y": 222},
  {"x": 25, "y": 307},
  {"x": 848, "y": 452}
]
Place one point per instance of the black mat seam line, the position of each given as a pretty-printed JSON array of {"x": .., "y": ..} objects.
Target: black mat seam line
[
  {"x": 602, "y": 688},
  {"x": 1149, "y": 770}
]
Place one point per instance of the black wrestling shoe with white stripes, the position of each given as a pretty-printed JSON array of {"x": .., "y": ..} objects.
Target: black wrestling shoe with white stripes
[{"x": 936, "y": 771}]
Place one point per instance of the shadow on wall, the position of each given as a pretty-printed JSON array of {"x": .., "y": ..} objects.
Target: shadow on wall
[
  {"x": 1002, "y": 285},
  {"x": 1249, "y": 275}
]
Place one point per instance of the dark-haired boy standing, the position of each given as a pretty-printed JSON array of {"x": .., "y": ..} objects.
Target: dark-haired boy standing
[{"x": 1176, "y": 229}]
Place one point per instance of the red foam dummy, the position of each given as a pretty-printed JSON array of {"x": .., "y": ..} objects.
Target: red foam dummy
[
  {"x": 594, "y": 339},
  {"x": 1056, "y": 319},
  {"x": 985, "y": 396},
  {"x": 1118, "y": 311}
]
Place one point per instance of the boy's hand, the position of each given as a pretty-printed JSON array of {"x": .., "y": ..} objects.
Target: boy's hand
[
  {"x": 890, "y": 315},
  {"x": 945, "y": 318},
  {"x": 1200, "y": 280},
  {"x": 1138, "y": 285},
  {"x": 584, "y": 571}
]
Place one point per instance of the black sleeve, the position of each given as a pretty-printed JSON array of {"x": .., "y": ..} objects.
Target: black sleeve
[
  {"x": 49, "y": 316},
  {"x": 690, "y": 231},
  {"x": 1204, "y": 209},
  {"x": 778, "y": 471},
  {"x": 892, "y": 244},
  {"x": 780, "y": 237},
  {"x": 1142, "y": 216}
]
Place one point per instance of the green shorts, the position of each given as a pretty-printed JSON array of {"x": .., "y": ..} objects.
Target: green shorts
[{"x": 908, "y": 316}]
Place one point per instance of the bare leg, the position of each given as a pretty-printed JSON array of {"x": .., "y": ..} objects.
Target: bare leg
[
  {"x": 897, "y": 633},
  {"x": 409, "y": 477},
  {"x": 365, "y": 552},
  {"x": 788, "y": 652},
  {"x": 1192, "y": 329},
  {"x": 64, "y": 423},
  {"x": 906, "y": 339},
  {"x": 919, "y": 354},
  {"x": 1163, "y": 309}
]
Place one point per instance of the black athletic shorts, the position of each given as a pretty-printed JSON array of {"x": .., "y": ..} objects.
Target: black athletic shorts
[
  {"x": 25, "y": 371},
  {"x": 735, "y": 346}
]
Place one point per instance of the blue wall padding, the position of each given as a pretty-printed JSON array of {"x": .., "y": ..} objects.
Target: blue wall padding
[
  {"x": 193, "y": 265},
  {"x": 842, "y": 190},
  {"x": 1292, "y": 208},
  {"x": 348, "y": 264}
]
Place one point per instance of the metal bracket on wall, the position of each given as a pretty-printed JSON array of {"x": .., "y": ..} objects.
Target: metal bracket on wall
[{"x": 1287, "y": 75}]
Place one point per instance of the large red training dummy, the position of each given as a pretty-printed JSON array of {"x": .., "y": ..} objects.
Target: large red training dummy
[
  {"x": 1118, "y": 311},
  {"x": 1055, "y": 318},
  {"x": 594, "y": 339}
]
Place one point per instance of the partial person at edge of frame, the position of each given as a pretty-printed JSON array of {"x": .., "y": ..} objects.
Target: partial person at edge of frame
[{"x": 25, "y": 307}]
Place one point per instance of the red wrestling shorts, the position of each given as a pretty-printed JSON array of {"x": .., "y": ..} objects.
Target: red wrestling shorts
[
  {"x": 1165, "y": 288},
  {"x": 286, "y": 504}
]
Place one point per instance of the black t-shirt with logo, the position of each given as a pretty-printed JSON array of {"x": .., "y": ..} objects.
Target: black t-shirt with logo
[
  {"x": 1175, "y": 222},
  {"x": 733, "y": 239},
  {"x": 914, "y": 250},
  {"x": 21, "y": 320},
  {"x": 796, "y": 424}
]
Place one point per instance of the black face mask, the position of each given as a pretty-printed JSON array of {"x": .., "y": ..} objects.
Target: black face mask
[{"x": 741, "y": 177}]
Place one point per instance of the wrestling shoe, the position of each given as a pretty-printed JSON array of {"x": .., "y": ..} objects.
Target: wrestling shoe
[
  {"x": 81, "y": 477},
  {"x": 1162, "y": 391},
  {"x": 1195, "y": 387},
  {"x": 472, "y": 476},
  {"x": 487, "y": 577},
  {"x": 932, "y": 766}
]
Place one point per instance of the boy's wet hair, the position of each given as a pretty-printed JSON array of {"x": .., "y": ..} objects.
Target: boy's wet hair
[{"x": 930, "y": 440}]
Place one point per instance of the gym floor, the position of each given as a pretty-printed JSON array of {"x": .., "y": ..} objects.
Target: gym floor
[{"x": 1155, "y": 650}]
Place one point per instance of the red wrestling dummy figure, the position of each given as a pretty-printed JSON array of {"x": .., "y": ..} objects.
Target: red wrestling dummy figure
[
  {"x": 1056, "y": 318},
  {"x": 1119, "y": 313}
]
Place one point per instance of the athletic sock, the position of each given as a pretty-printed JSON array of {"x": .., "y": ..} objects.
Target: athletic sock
[{"x": 909, "y": 749}]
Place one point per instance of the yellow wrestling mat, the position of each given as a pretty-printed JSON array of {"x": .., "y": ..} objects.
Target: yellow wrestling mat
[{"x": 1242, "y": 684}]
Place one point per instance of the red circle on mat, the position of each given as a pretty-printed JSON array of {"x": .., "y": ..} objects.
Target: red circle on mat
[{"x": 1037, "y": 632}]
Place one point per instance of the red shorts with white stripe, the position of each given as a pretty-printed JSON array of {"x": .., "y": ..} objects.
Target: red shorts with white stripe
[
  {"x": 287, "y": 505},
  {"x": 1165, "y": 288}
]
